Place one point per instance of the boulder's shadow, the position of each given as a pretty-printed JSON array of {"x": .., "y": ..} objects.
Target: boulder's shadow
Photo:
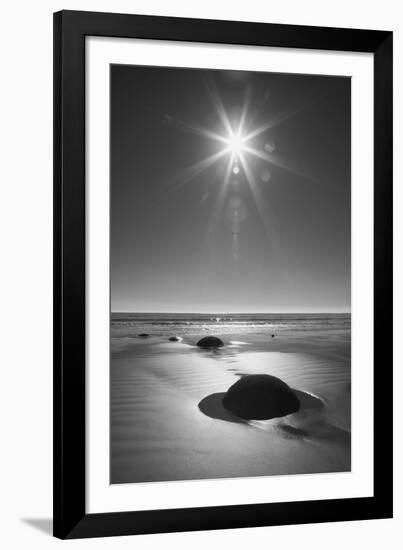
[
  {"x": 309, "y": 419},
  {"x": 212, "y": 406}
]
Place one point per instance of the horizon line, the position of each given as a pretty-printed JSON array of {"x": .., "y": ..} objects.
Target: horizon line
[{"x": 236, "y": 312}]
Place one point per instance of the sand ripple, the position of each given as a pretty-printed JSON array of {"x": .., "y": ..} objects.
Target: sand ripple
[{"x": 167, "y": 422}]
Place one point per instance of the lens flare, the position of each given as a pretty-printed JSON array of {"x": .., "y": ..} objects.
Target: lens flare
[{"x": 245, "y": 150}]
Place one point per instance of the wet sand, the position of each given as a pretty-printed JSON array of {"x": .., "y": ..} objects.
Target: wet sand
[{"x": 168, "y": 423}]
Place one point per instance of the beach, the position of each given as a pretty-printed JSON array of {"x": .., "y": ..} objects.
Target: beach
[{"x": 167, "y": 421}]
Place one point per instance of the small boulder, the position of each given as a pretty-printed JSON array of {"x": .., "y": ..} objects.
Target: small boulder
[
  {"x": 260, "y": 397},
  {"x": 210, "y": 342}
]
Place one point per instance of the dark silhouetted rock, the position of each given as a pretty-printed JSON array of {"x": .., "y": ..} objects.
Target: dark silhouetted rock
[
  {"x": 174, "y": 339},
  {"x": 210, "y": 342},
  {"x": 260, "y": 397},
  {"x": 143, "y": 335}
]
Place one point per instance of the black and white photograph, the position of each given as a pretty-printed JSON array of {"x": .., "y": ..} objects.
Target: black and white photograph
[
  {"x": 230, "y": 297},
  {"x": 200, "y": 275}
]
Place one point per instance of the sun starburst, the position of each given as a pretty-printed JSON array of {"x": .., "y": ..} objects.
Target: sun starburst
[{"x": 242, "y": 147}]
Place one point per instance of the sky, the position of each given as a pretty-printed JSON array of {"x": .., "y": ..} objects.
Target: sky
[{"x": 269, "y": 234}]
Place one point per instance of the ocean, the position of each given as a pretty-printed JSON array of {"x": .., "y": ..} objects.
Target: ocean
[{"x": 188, "y": 324}]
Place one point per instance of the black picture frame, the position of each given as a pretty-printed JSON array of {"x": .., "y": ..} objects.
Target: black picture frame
[{"x": 70, "y": 517}]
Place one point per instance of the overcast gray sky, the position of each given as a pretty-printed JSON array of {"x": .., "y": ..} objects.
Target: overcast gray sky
[{"x": 278, "y": 242}]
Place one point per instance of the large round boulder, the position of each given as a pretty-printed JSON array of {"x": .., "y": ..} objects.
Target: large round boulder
[
  {"x": 260, "y": 397},
  {"x": 210, "y": 342}
]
